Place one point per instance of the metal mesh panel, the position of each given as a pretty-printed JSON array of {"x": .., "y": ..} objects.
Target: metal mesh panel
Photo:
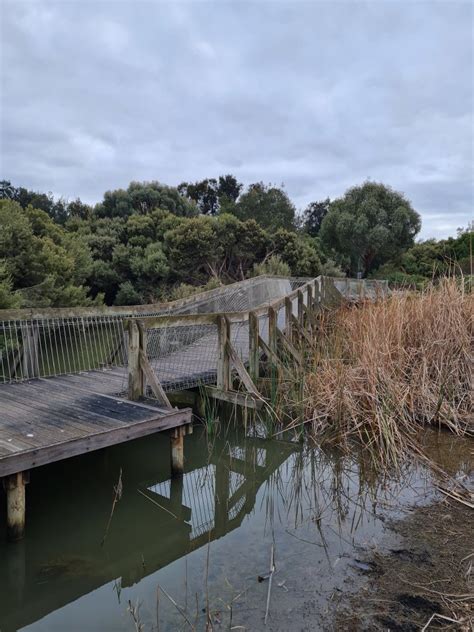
[
  {"x": 183, "y": 356},
  {"x": 361, "y": 288},
  {"x": 57, "y": 346}
]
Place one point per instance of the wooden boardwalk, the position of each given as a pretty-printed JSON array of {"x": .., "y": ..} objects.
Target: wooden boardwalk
[{"x": 49, "y": 419}]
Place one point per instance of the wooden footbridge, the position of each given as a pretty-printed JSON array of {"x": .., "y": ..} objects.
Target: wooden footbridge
[{"x": 77, "y": 380}]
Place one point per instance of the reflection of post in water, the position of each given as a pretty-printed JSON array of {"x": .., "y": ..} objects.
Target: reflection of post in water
[
  {"x": 221, "y": 496},
  {"x": 176, "y": 498}
]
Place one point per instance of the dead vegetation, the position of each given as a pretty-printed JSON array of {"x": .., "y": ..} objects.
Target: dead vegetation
[{"x": 380, "y": 370}]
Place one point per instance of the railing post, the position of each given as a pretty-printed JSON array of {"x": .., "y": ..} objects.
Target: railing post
[
  {"x": 324, "y": 292},
  {"x": 223, "y": 362},
  {"x": 317, "y": 293},
  {"x": 30, "y": 339},
  {"x": 288, "y": 316},
  {"x": 254, "y": 357},
  {"x": 272, "y": 329},
  {"x": 310, "y": 306},
  {"x": 272, "y": 343},
  {"x": 135, "y": 373},
  {"x": 300, "y": 307}
]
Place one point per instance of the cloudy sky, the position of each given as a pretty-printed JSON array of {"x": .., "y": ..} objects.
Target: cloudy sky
[{"x": 316, "y": 95}]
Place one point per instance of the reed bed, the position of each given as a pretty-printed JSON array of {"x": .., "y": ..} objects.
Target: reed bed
[{"x": 380, "y": 370}]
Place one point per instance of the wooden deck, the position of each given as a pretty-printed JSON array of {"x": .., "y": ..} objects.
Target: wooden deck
[{"x": 49, "y": 419}]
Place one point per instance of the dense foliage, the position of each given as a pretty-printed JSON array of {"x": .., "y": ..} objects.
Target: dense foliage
[
  {"x": 152, "y": 242},
  {"x": 370, "y": 225}
]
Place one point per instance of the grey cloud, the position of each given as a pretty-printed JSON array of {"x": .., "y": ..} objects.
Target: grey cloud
[{"x": 318, "y": 95}]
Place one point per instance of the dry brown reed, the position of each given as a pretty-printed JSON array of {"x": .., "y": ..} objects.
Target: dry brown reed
[{"x": 380, "y": 370}]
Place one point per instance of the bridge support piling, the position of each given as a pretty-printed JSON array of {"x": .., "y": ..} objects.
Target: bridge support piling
[
  {"x": 177, "y": 451},
  {"x": 16, "y": 506}
]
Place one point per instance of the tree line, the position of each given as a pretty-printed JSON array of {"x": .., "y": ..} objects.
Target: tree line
[{"x": 151, "y": 242}]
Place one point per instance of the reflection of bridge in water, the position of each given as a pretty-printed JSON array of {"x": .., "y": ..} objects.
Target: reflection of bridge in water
[{"x": 215, "y": 493}]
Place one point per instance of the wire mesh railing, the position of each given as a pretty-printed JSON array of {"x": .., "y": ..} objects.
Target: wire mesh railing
[{"x": 182, "y": 353}]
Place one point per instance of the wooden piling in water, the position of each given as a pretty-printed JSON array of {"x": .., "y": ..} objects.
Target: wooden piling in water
[
  {"x": 16, "y": 505},
  {"x": 177, "y": 451}
]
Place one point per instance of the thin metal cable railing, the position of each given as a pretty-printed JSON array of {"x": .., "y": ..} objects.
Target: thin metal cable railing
[
  {"x": 182, "y": 355},
  {"x": 50, "y": 346},
  {"x": 57, "y": 346}
]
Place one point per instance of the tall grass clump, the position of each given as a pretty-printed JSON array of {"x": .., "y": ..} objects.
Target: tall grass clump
[{"x": 380, "y": 370}]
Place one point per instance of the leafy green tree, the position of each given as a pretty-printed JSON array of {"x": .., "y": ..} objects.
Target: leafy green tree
[
  {"x": 273, "y": 265},
  {"x": 371, "y": 224},
  {"x": 229, "y": 188},
  {"x": 78, "y": 209},
  {"x": 428, "y": 260},
  {"x": 48, "y": 265},
  {"x": 212, "y": 196},
  {"x": 204, "y": 193},
  {"x": 7, "y": 190},
  {"x": 242, "y": 244},
  {"x": 268, "y": 205},
  {"x": 127, "y": 295},
  {"x": 9, "y": 299},
  {"x": 297, "y": 251},
  {"x": 313, "y": 216},
  {"x": 143, "y": 197},
  {"x": 193, "y": 252}
]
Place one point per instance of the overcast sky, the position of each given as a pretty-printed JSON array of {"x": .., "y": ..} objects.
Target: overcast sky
[{"x": 316, "y": 95}]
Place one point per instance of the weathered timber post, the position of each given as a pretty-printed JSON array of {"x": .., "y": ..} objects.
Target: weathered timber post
[
  {"x": 177, "y": 451},
  {"x": 288, "y": 315},
  {"x": 317, "y": 294},
  {"x": 223, "y": 360},
  {"x": 254, "y": 356},
  {"x": 272, "y": 329},
  {"x": 136, "y": 381},
  {"x": 323, "y": 291},
  {"x": 272, "y": 343},
  {"x": 16, "y": 507},
  {"x": 30, "y": 339},
  {"x": 221, "y": 495},
  {"x": 143, "y": 341},
  {"x": 300, "y": 307},
  {"x": 309, "y": 305}
]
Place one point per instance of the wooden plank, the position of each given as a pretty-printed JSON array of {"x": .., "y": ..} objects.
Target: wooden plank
[
  {"x": 153, "y": 381},
  {"x": 288, "y": 314},
  {"x": 272, "y": 356},
  {"x": 302, "y": 331},
  {"x": 288, "y": 347},
  {"x": 66, "y": 449},
  {"x": 135, "y": 378},
  {"x": 247, "y": 400},
  {"x": 241, "y": 370},
  {"x": 68, "y": 420},
  {"x": 223, "y": 365},
  {"x": 300, "y": 311}
]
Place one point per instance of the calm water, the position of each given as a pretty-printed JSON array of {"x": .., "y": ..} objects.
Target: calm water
[{"x": 205, "y": 538}]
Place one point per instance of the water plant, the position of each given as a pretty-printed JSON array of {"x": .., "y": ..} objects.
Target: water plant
[{"x": 380, "y": 370}]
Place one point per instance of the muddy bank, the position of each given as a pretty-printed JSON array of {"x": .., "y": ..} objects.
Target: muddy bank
[{"x": 429, "y": 573}]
